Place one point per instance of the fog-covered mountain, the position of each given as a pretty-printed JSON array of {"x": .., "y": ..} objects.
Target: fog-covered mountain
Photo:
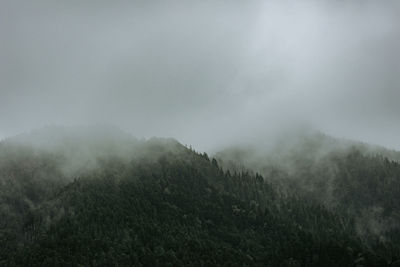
[
  {"x": 100, "y": 197},
  {"x": 345, "y": 176}
]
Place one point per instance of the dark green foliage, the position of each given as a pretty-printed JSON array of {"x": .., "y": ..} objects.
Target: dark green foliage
[{"x": 170, "y": 206}]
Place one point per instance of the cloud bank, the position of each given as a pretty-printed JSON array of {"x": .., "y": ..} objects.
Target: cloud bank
[{"x": 209, "y": 73}]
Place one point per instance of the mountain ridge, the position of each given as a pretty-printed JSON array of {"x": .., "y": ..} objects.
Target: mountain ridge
[{"x": 160, "y": 203}]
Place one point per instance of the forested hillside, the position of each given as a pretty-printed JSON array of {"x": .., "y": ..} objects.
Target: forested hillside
[
  {"x": 356, "y": 180},
  {"x": 112, "y": 200}
]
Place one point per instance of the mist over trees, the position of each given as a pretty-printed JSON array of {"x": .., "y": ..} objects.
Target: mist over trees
[
  {"x": 158, "y": 203},
  {"x": 347, "y": 176},
  {"x": 208, "y": 73},
  {"x": 278, "y": 125}
]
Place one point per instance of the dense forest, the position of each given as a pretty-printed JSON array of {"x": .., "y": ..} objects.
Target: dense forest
[{"x": 108, "y": 199}]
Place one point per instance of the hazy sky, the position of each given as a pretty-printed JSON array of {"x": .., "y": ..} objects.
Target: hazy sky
[{"x": 204, "y": 72}]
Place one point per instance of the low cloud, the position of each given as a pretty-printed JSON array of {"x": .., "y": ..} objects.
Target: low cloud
[{"x": 208, "y": 74}]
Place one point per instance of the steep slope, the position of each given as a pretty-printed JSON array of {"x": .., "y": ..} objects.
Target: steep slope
[
  {"x": 163, "y": 204},
  {"x": 360, "y": 181}
]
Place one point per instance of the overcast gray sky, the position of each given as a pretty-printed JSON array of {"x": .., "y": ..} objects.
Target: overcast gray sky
[{"x": 205, "y": 72}]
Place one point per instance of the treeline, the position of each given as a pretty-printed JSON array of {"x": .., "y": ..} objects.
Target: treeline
[{"x": 172, "y": 206}]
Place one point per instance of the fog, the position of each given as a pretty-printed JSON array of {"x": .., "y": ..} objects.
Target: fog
[{"x": 208, "y": 74}]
